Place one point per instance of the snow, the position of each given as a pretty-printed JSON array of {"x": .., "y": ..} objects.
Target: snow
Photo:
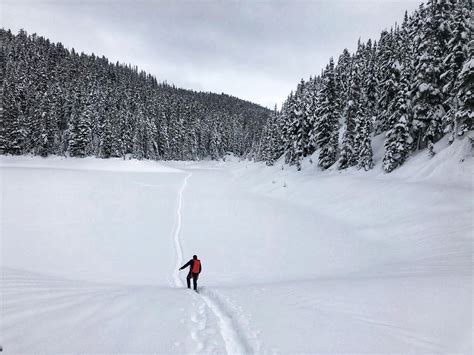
[
  {"x": 424, "y": 87},
  {"x": 86, "y": 164},
  {"x": 177, "y": 242},
  {"x": 397, "y": 65},
  {"x": 468, "y": 65},
  {"x": 309, "y": 261}
]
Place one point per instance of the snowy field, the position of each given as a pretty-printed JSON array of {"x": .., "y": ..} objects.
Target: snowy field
[{"x": 333, "y": 262}]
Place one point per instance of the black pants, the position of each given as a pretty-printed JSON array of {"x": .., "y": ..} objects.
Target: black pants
[{"x": 193, "y": 276}]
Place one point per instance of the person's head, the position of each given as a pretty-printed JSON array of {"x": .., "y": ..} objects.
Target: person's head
[{"x": 195, "y": 257}]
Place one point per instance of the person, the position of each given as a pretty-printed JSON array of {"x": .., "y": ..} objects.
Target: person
[{"x": 194, "y": 271}]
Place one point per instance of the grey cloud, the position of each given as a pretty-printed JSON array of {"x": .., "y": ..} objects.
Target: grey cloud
[{"x": 256, "y": 50}]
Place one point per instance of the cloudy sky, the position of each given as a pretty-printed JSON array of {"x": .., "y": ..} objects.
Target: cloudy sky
[{"x": 255, "y": 50}]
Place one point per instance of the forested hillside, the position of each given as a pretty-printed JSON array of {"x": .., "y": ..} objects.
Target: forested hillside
[
  {"x": 415, "y": 85},
  {"x": 57, "y": 101}
]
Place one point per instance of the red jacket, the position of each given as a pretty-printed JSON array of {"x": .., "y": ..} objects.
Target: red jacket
[{"x": 191, "y": 264}]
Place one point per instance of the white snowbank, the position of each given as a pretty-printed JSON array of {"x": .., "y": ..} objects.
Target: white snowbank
[{"x": 452, "y": 165}]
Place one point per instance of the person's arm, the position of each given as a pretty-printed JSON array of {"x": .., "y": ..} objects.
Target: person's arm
[
  {"x": 200, "y": 267},
  {"x": 186, "y": 265}
]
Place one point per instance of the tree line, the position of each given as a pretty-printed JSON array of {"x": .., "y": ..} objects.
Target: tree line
[
  {"x": 57, "y": 101},
  {"x": 414, "y": 85}
]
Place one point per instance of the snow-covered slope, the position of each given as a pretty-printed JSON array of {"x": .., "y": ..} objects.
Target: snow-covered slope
[{"x": 292, "y": 261}]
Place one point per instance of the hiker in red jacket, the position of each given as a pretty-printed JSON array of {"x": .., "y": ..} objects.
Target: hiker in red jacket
[{"x": 194, "y": 271}]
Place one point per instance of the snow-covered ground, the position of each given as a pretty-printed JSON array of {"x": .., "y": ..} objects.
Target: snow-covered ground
[{"x": 315, "y": 262}]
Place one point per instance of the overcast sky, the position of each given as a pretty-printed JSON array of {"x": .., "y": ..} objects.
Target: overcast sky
[{"x": 255, "y": 50}]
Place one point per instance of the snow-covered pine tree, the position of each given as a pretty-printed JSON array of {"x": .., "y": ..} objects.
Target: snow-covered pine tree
[
  {"x": 398, "y": 140},
  {"x": 237, "y": 134},
  {"x": 310, "y": 104},
  {"x": 15, "y": 133},
  {"x": 192, "y": 127},
  {"x": 15, "y": 83},
  {"x": 370, "y": 85},
  {"x": 176, "y": 129},
  {"x": 285, "y": 122},
  {"x": 139, "y": 135},
  {"x": 342, "y": 74},
  {"x": 163, "y": 141},
  {"x": 457, "y": 54},
  {"x": 3, "y": 63},
  {"x": 297, "y": 129},
  {"x": 46, "y": 117},
  {"x": 79, "y": 133},
  {"x": 270, "y": 143},
  {"x": 429, "y": 99},
  {"x": 353, "y": 113},
  {"x": 363, "y": 125},
  {"x": 327, "y": 128},
  {"x": 386, "y": 78},
  {"x": 106, "y": 135},
  {"x": 215, "y": 144},
  {"x": 265, "y": 148},
  {"x": 276, "y": 147},
  {"x": 364, "y": 148},
  {"x": 464, "y": 87}
]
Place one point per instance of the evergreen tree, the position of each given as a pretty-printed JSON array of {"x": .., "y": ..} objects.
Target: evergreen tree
[
  {"x": 387, "y": 78},
  {"x": 270, "y": 148},
  {"x": 464, "y": 117},
  {"x": 398, "y": 141},
  {"x": 297, "y": 129},
  {"x": 215, "y": 148},
  {"x": 327, "y": 129},
  {"x": 79, "y": 133},
  {"x": 342, "y": 74},
  {"x": 428, "y": 100},
  {"x": 458, "y": 53},
  {"x": 353, "y": 113}
]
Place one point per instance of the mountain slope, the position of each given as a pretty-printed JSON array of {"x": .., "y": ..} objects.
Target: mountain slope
[{"x": 57, "y": 101}]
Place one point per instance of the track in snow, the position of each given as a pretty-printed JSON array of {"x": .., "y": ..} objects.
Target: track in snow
[
  {"x": 229, "y": 329},
  {"x": 230, "y": 332},
  {"x": 177, "y": 231}
]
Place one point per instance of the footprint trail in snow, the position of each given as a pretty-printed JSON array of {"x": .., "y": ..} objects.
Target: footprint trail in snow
[
  {"x": 228, "y": 327},
  {"x": 176, "y": 235}
]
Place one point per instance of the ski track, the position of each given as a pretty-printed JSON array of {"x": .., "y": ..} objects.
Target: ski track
[
  {"x": 229, "y": 329},
  {"x": 176, "y": 236}
]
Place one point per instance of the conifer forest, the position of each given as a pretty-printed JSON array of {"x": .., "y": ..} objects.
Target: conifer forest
[{"x": 414, "y": 84}]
